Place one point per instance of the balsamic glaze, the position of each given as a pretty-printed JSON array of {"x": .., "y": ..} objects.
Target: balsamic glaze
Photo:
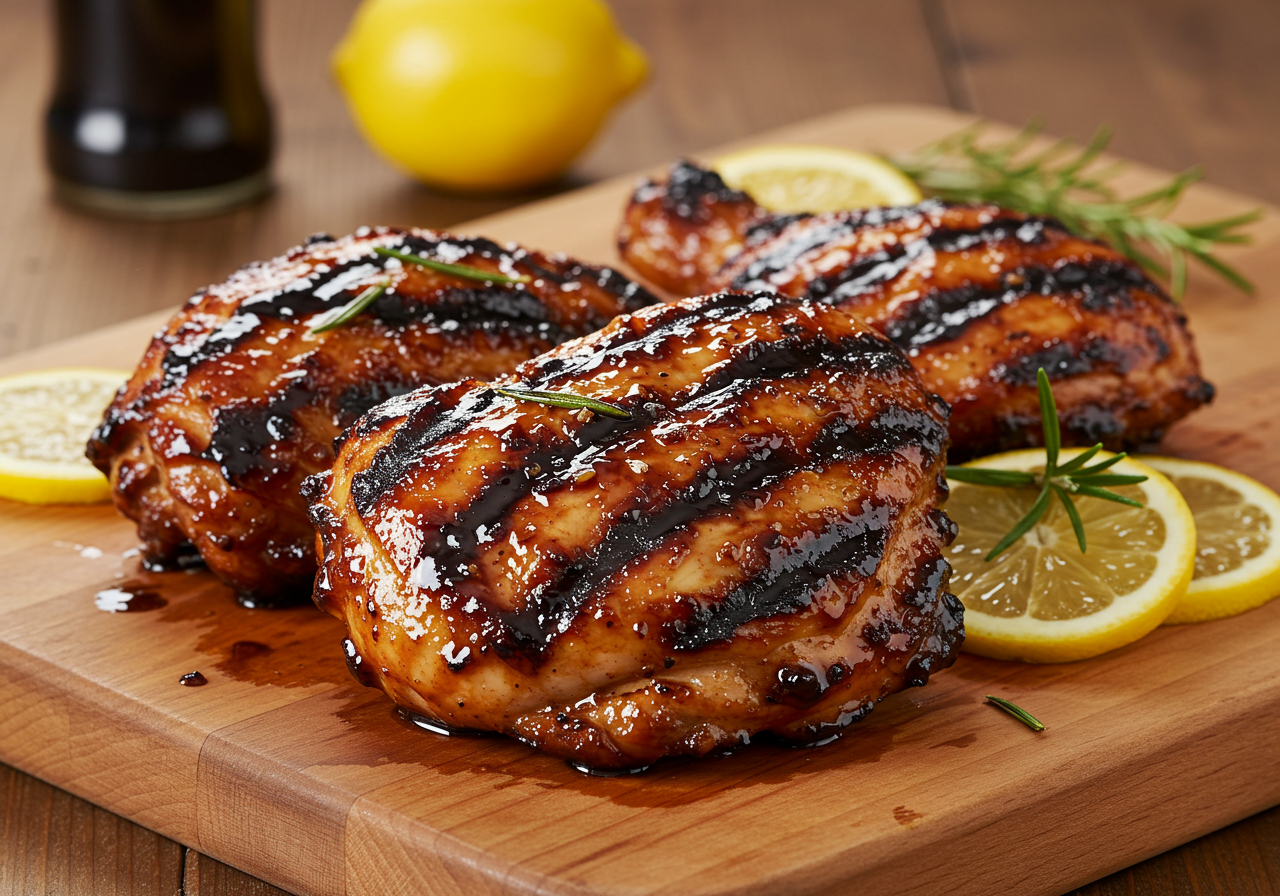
[{"x": 193, "y": 680}]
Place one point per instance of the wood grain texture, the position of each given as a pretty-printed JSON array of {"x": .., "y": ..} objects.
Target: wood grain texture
[
  {"x": 290, "y": 771},
  {"x": 1182, "y": 82},
  {"x": 56, "y": 844},
  {"x": 203, "y": 876}
]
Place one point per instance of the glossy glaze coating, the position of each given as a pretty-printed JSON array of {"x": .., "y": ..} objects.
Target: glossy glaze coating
[
  {"x": 977, "y": 296},
  {"x": 235, "y": 401},
  {"x": 757, "y": 548}
]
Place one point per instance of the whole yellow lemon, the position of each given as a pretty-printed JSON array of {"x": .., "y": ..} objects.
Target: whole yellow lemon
[{"x": 484, "y": 94}]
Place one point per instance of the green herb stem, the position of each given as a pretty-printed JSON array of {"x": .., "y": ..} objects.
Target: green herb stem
[
  {"x": 566, "y": 400},
  {"x": 457, "y": 270},
  {"x": 338, "y": 317},
  {"x": 1065, "y": 182},
  {"x": 1017, "y": 712}
]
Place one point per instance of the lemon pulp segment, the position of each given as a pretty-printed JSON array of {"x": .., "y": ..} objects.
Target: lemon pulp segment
[{"x": 1237, "y": 548}]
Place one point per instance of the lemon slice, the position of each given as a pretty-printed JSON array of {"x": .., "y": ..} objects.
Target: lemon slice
[
  {"x": 816, "y": 179},
  {"x": 1042, "y": 601},
  {"x": 1237, "y": 542},
  {"x": 45, "y": 419}
]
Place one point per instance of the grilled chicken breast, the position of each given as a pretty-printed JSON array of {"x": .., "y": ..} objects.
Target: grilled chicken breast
[
  {"x": 978, "y": 297},
  {"x": 755, "y": 548},
  {"x": 236, "y": 401}
]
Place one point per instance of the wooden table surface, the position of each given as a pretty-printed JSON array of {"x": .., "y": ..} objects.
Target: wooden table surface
[{"x": 1183, "y": 81}]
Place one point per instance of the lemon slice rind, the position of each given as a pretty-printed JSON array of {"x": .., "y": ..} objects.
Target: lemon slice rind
[
  {"x": 1127, "y": 618},
  {"x": 35, "y": 481},
  {"x": 798, "y": 178},
  {"x": 1257, "y": 580}
]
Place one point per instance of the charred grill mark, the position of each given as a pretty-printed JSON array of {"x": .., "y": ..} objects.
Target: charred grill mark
[
  {"x": 1091, "y": 423},
  {"x": 770, "y": 227},
  {"x": 242, "y": 433},
  {"x": 822, "y": 233},
  {"x": 454, "y": 548},
  {"x": 686, "y": 187},
  {"x": 893, "y": 428},
  {"x": 616, "y": 348},
  {"x": 1065, "y": 360},
  {"x": 853, "y": 545},
  {"x": 489, "y": 308},
  {"x": 301, "y": 298},
  {"x": 611, "y": 281},
  {"x": 794, "y": 356},
  {"x": 944, "y": 315},
  {"x": 869, "y": 273},
  {"x": 327, "y": 287},
  {"x": 756, "y": 274},
  {"x": 355, "y": 401},
  {"x": 428, "y": 423},
  {"x": 455, "y": 545},
  {"x": 722, "y": 485}
]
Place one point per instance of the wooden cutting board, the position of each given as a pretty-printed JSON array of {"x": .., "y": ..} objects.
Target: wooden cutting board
[{"x": 282, "y": 766}]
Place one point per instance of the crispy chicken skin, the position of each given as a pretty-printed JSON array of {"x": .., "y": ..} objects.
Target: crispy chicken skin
[
  {"x": 757, "y": 549},
  {"x": 978, "y": 297},
  {"x": 235, "y": 401}
]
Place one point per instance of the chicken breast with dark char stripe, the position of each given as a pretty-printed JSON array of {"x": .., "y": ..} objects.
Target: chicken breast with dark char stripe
[
  {"x": 978, "y": 297},
  {"x": 236, "y": 400},
  {"x": 755, "y": 548}
]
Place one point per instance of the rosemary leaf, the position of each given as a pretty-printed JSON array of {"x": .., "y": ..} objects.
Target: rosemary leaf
[
  {"x": 1024, "y": 525},
  {"x": 1090, "y": 491},
  {"x": 337, "y": 317},
  {"x": 1079, "y": 460},
  {"x": 1103, "y": 465},
  {"x": 1111, "y": 479},
  {"x": 566, "y": 400},
  {"x": 1074, "y": 515},
  {"x": 1049, "y": 420},
  {"x": 458, "y": 270},
  {"x": 1017, "y": 712},
  {"x": 1071, "y": 184},
  {"x": 1006, "y": 478}
]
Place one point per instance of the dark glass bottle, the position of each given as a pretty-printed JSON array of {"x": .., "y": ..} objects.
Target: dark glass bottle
[{"x": 157, "y": 110}]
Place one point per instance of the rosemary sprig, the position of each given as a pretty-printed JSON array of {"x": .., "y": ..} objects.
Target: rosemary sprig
[
  {"x": 1017, "y": 712},
  {"x": 337, "y": 317},
  {"x": 1064, "y": 182},
  {"x": 1057, "y": 480},
  {"x": 566, "y": 400},
  {"x": 458, "y": 270}
]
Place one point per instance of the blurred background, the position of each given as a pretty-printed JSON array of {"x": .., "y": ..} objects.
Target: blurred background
[{"x": 1182, "y": 81}]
